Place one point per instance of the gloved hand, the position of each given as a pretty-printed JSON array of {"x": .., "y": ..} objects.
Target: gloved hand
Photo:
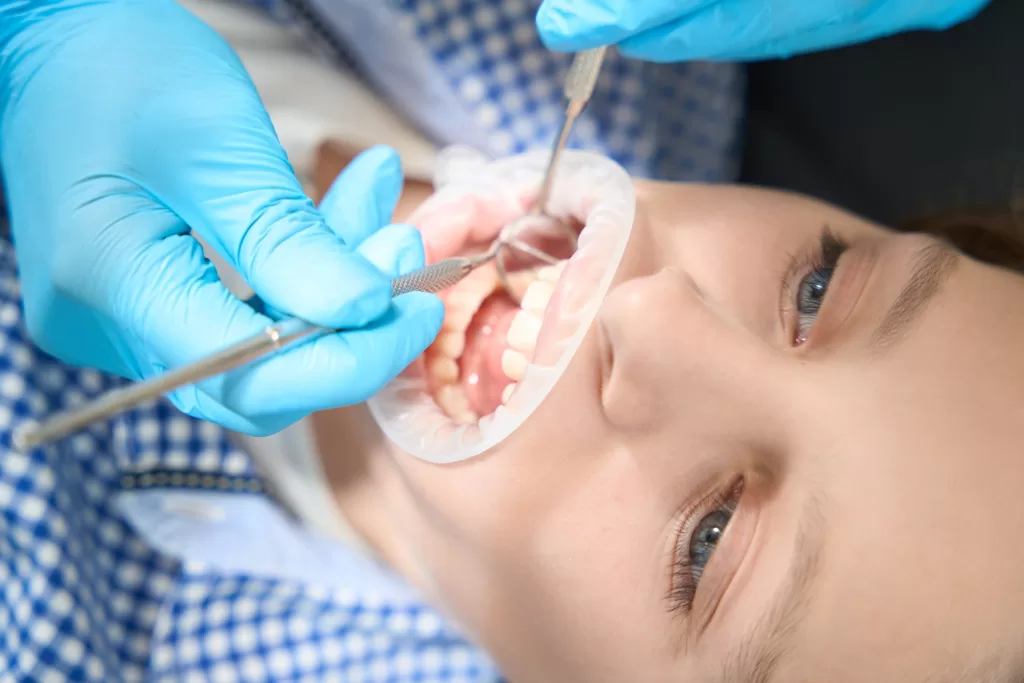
[
  {"x": 124, "y": 124},
  {"x": 737, "y": 30}
]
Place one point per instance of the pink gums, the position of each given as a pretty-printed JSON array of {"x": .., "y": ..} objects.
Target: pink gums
[{"x": 480, "y": 366}]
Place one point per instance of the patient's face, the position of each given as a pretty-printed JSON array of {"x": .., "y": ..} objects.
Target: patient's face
[{"x": 792, "y": 442}]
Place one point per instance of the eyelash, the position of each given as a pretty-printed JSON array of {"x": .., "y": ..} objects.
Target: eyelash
[
  {"x": 684, "y": 583},
  {"x": 820, "y": 263}
]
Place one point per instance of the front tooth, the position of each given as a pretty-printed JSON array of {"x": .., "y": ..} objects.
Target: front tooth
[
  {"x": 451, "y": 344},
  {"x": 537, "y": 296},
  {"x": 507, "y": 394},
  {"x": 551, "y": 273},
  {"x": 513, "y": 364},
  {"x": 445, "y": 369},
  {"x": 517, "y": 283},
  {"x": 523, "y": 332}
]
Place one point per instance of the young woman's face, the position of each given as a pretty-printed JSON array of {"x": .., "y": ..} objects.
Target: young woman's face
[{"x": 791, "y": 448}]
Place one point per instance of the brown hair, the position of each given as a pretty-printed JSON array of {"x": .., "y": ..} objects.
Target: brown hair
[{"x": 989, "y": 236}]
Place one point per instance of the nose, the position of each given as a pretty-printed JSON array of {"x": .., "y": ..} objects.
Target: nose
[{"x": 670, "y": 355}]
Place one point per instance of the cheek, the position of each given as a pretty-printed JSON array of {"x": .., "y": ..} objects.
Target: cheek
[
  {"x": 553, "y": 557},
  {"x": 504, "y": 492},
  {"x": 580, "y": 591}
]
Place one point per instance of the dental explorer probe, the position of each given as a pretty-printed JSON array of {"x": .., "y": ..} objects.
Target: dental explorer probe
[
  {"x": 273, "y": 338},
  {"x": 579, "y": 87}
]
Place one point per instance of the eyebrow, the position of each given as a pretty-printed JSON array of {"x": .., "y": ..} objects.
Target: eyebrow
[
  {"x": 933, "y": 265},
  {"x": 756, "y": 658}
]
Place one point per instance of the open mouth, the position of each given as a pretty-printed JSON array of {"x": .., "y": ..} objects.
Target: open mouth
[
  {"x": 492, "y": 327},
  {"x": 505, "y": 342}
]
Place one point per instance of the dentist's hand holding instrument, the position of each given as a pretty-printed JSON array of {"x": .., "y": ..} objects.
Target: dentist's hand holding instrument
[
  {"x": 285, "y": 334},
  {"x": 737, "y": 30},
  {"x": 123, "y": 125}
]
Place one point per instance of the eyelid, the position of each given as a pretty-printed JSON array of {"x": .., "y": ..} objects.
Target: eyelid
[
  {"x": 799, "y": 266},
  {"x": 847, "y": 288},
  {"x": 683, "y": 598},
  {"x": 852, "y": 272}
]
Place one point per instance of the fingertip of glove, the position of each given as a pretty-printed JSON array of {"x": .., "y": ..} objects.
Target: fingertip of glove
[
  {"x": 394, "y": 250},
  {"x": 654, "y": 50},
  {"x": 411, "y": 255},
  {"x": 384, "y": 158},
  {"x": 560, "y": 31}
]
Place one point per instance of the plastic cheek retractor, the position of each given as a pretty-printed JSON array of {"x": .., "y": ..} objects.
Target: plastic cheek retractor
[{"x": 475, "y": 199}]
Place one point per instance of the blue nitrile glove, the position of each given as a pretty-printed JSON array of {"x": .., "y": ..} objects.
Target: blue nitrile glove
[
  {"x": 123, "y": 124},
  {"x": 737, "y": 30}
]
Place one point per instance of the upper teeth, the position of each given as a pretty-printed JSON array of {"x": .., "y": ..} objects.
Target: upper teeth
[
  {"x": 513, "y": 364},
  {"x": 523, "y": 333},
  {"x": 534, "y": 289},
  {"x": 551, "y": 273},
  {"x": 537, "y": 296}
]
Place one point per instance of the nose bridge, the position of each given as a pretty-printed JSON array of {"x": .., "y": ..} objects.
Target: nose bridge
[{"x": 666, "y": 346}]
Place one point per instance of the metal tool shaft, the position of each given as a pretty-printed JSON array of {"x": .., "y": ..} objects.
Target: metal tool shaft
[
  {"x": 579, "y": 87},
  {"x": 272, "y": 339}
]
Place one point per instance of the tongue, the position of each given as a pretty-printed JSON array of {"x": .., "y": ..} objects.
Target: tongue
[{"x": 480, "y": 365}]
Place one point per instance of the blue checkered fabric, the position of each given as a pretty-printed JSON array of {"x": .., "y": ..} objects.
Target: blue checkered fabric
[
  {"x": 671, "y": 122},
  {"x": 84, "y": 597}
]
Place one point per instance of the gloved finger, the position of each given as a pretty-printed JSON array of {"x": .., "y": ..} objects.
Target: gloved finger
[
  {"x": 394, "y": 250},
  {"x": 733, "y": 26},
  {"x": 375, "y": 174},
  {"x": 234, "y": 186},
  {"x": 887, "y": 19},
  {"x": 571, "y": 25},
  {"x": 744, "y": 30},
  {"x": 192, "y": 400},
  {"x": 191, "y": 315},
  {"x": 337, "y": 370}
]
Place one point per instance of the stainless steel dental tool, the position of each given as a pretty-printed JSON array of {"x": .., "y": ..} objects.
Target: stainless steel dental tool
[
  {"x": 579, "y": 87},
  {"x": 274, "y": 338}
]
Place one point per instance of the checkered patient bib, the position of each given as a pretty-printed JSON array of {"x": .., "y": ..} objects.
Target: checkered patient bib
[
  {"x": 474, "y": 72},
  {"x": 148, "y": 549}
]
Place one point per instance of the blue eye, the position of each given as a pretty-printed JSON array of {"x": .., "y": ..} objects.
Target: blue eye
[
  {"x": 705, "y": 538},
  {"x": 809, "y": 298},
  {"x": 705, "y": 528},
  {"x": 810, "y": 295}
]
